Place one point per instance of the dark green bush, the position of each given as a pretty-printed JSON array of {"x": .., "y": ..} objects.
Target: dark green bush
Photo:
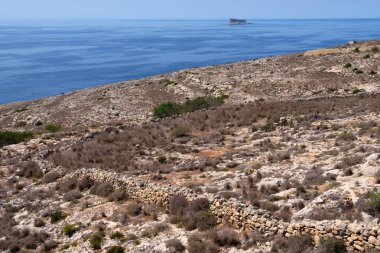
[
  {"x": 22, "y": 109},
  {"x": 162, "y": 159},
  {"x": 116, "y": 249},
  {"x": 96, "y": 240},
  {"x": 57, "y": 216},
  {"x": 52, "y": 128},
  {"x": 117, "y": 236},
  {"x": 69, "y": 230},
  {"x": 9, "y": 137},
  {"x": 366, "y": 56},
  {"x": 200, "y": 103},
  {"x": 347, "y": 136},
  {"x": 168, "y": 109},
  {"x": 375, "y": 200},
  {"x": 347, "y": 65}
]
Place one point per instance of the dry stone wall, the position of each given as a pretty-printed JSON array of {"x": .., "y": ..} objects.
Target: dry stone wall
[{"x": 242, "y": 216}]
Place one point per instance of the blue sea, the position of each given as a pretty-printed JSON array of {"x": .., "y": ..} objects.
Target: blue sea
[{"x": 43, "y": 58}]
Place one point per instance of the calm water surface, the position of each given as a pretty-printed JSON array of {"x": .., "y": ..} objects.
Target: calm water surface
[{"x": 44, "y": 58}]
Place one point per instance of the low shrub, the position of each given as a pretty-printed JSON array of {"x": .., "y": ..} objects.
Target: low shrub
[
  {"x": 175, "y": 245},
  {"x": 198, "y": 215},
  {"x": 347, "y": 65},
  {"x": 366, "y": 56},
  {"x": 69, "y": 230},
  {"x": 197, "y": 243},
  {"x": 168, "y": 109},
  {"x": 269, "y": 127},
  {"x": 9, "y": 137},
  {"x": 85, "y": 183},
  {"x": 29, "y": 169},
  {"x": 225, "y": 237},
  {"x": 51, "y": 177},
  {"x": 134, "y": 209},
  {"x": 180, "y": 131},
  {"x": 356, "y": 90},
  {"x": 332, "y": 245},
  {"x": 347, "y": 136},
  {"x": 39, "y": 223},
  {"x": 50, "y": 245},
  {"x": 177, "y": 206},
  {"x": 96, "y": 240},
  {"x": 72, "y": 195},
  {"x": 117, "y": 236},
  {"x": 162, "y": 159},
  {"x": 375, "y": 200},
  {"x": 57, "y": 216},
  {"x": 118, "y": 196},
  {"x": 116, "y": 249},
  {"x": 102, "y": 189},
  {"x": 293, "y": 244},
  {"x": 53, "y": 128}
]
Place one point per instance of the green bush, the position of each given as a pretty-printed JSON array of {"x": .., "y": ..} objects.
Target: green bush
[
  {"x": 69, "y": 230},
  {"x": 52, "y": 128},
  {"x": 22, "y": 109},
  {"x": 375, "y": 49},
  {"x": 347, "y": 65},
  {"x": 57, "y": 216},
  {"x": 9, "y": 137},
  {"x": 96, "y": 240},
  {"x": 357, "y": 50},
  {"x": 168, "y": 109},
  {"x": 356, "y": 91},
  {"x": 162, "y": 159},
  {"x": 269, "y": 127},
  {"x": 116, "y": 249},
  {"x": 347, "y": 136},
  {"x": 366, "y": 56},
  {"x": 117, "y": 236},
  {"x": 375, "y": 200},
  {"x": 200, "y": 103}
]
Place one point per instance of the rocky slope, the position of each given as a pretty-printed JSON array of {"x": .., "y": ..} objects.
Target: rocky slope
[{"x": 289, "y": 163}]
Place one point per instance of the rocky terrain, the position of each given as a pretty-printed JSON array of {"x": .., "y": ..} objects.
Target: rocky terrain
[{"x": 280, "y": 154}]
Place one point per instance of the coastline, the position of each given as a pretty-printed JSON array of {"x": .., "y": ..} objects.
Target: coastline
[{"x": 286, "y": 77}]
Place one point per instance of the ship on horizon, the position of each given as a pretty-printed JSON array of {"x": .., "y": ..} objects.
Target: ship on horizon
[{"x": 234, "y": 21}]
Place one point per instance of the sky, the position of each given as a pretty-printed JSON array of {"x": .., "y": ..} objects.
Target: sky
[{"x": 188, "y": 9}]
